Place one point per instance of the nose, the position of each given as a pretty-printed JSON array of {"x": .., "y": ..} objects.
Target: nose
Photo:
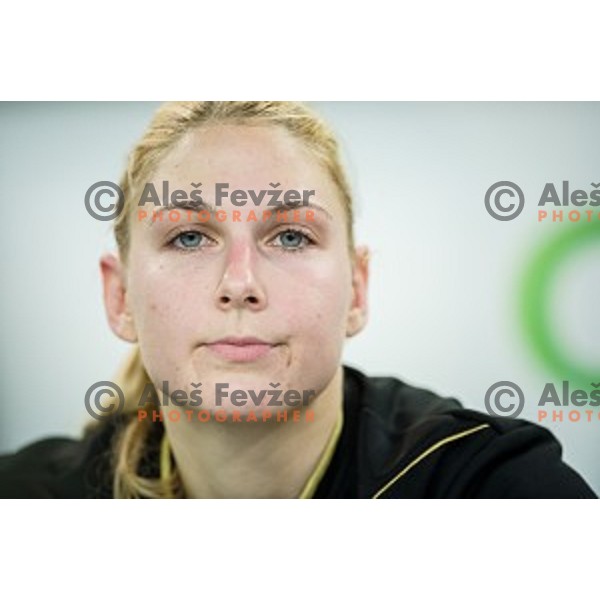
[{"x": 239, "y": 286}]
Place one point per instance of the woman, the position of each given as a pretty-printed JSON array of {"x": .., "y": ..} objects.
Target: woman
[{"x": 238, "y": 300}]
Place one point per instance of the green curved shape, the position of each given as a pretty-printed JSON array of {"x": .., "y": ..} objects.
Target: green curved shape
[{"x": 535, "y": 306}]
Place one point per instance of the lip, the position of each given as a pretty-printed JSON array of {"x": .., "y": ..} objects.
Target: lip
[
  {"x": 241, "y": 349},
  {"x": 241, "y": 341}
]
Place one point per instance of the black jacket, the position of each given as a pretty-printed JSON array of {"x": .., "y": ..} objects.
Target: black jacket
[{"x": 397, "y": 441}]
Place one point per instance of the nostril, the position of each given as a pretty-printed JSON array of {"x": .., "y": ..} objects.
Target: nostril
[{"x": 232, "y": 300}]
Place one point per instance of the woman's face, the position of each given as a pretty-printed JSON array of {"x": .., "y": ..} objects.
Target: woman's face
[{"x": 188, "y": 284}]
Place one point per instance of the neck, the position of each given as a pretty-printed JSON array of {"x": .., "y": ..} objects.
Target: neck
[{"x": 255, "y": 460}]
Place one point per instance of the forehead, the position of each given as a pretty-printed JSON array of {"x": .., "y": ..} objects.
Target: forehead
[{"x": 242, "y": 154}]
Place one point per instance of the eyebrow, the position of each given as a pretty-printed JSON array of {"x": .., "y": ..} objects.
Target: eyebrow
[
  {"x": 194, "y": 205},
  {"x": 200, "y": 205}
]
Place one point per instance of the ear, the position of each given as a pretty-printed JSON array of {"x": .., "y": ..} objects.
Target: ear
[
  {"x": 119, "y": 316},
  {"x": 358, "y": 315}
]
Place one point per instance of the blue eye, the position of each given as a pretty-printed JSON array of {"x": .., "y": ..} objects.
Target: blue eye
[
  {"x": 188, "y": 239},
  {"x": 293, "y": 239}
]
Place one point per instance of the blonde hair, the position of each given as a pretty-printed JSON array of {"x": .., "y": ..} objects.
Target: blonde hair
[{"x": 170, "y": 123}]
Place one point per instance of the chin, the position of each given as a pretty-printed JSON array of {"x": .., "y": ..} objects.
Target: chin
[{"x": 254, "y": 393}]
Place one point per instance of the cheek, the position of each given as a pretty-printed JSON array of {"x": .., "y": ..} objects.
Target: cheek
[
  {"x": 314, "y": 300},
  {"x": 167, "y": 303}
]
